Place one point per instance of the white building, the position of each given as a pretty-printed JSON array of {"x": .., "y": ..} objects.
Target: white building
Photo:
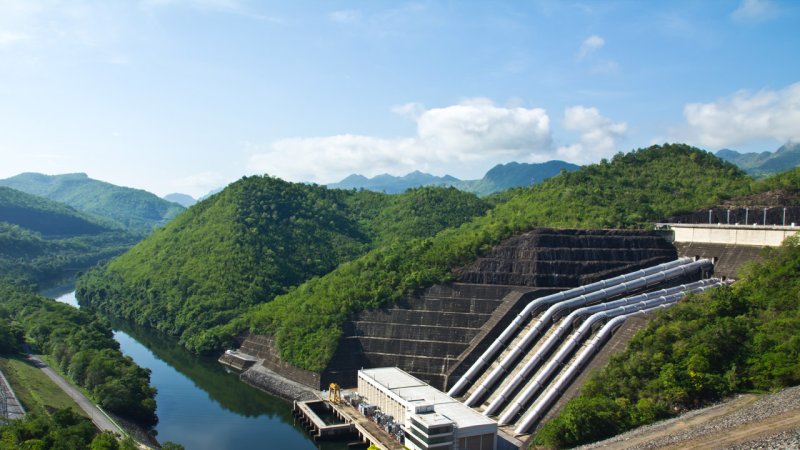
[{"x": 431, "y": 418}]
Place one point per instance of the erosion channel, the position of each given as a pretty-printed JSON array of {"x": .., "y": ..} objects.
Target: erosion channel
[{"x": 200, "y": 405}]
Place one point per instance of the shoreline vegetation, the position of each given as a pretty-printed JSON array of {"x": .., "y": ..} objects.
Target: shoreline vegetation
[{"x": 81, "y": 347}]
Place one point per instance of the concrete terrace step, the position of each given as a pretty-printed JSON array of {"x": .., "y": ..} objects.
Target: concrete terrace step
[
  {"x": 402, "y": 346},
  {"x": 472, "y": 305},
  {"x": 462, "y": 335},
  {"x": 426, "y": 317},
  {"x": 467, "y": 291}
]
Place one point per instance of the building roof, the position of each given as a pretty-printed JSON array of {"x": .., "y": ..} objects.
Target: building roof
[{"x": 415, "y": 391}]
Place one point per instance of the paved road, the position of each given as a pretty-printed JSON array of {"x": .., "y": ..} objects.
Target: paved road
[
  {"x": 98, "y": 417},
  {"x": 14, "y": 409}
]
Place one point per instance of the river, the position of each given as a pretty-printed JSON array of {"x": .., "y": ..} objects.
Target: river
[{"x": 201, "y": 405}]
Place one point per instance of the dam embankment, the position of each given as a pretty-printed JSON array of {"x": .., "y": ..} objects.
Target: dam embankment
[{"x": 437, "y": 333}]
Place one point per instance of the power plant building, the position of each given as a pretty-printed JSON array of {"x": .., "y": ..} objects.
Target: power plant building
[{"x": 431, "y": 418}]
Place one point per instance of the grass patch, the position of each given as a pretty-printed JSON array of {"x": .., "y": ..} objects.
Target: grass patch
[{"x": 34, "y": 389}]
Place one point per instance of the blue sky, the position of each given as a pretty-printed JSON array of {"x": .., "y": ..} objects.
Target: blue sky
[{"x": 188, "y": 95}]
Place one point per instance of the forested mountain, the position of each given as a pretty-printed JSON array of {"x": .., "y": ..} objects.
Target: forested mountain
[
  {"x": 42, "y": 242},
  {"x": 181, "y": 199},
  {"x": 499, "y": 178},
  {"x": 737, "y": 339},
  {"x": 135, "y": 209},
  {"x": 257, "y": 239},
  {"x": 765, "y": 163},
  {"x": 48, "y": 218},
  {"x": 202, "y": 290}
]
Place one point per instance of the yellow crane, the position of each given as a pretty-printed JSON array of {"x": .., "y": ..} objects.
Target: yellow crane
[{"x": 335, "y": 393}]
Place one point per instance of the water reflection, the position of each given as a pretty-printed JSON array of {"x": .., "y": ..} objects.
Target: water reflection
[{"x": 201, "y": 405}]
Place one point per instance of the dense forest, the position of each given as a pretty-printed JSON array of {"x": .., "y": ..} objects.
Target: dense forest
[
  {"x": 63, "y": 429},
  {"x": 133, "y": 209},
  {"x": 43, "y": 242},
  {"x": 259, "y": 238},
  {"x": 741, "y": 338},
  {"x": 325, "y": 254}
]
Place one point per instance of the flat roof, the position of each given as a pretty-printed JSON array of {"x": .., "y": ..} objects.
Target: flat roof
[{"x": 413, "y": 390}]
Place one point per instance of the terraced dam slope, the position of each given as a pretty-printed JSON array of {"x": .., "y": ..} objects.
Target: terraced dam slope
[{"x": 436, "y": 334}]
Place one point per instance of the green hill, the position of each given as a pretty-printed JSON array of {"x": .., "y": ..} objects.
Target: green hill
[
  {"x": 41, "y": 239},
  {"x": 135, "y": 209},
  {"x": 49, "y": 218},
  {"x": 259, "y": 238},
  {"x": 153, "y": 284},
  {"x": 765, "y": 163}
]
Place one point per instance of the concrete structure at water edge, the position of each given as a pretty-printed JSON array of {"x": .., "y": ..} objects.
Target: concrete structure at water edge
[{"x": 431, "y": 419}]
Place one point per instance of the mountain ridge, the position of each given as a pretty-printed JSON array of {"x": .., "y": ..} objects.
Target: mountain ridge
[
  {"x": 135, "y": 209},
  {"x": 498, "y": 178},
  {"x": 764, "y": 164}
]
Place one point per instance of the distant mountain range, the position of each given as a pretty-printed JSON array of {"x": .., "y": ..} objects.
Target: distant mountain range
[
  {"x": 499, "y": 178},
  {"x": 184, "y": 200},
  {"x": 134, "y": 209},
  {"x": 765, "y": 163}
]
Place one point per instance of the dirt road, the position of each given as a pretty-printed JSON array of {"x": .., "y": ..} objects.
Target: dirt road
[{"x": 98, "y": 417}]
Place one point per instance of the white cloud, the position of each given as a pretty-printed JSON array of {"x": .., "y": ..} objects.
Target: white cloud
[
  {"x": 590, "y": 44},
  {"x": 599, "y": 135},
  {"x": 466, "y": 137},
  {"x": 477, "y": 128},
  {"x": 754, "y": 10},
  {"x": 746, "y": 117}
]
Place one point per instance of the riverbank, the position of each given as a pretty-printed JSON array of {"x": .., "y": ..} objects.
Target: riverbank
[{"x": 270, "y": 382}]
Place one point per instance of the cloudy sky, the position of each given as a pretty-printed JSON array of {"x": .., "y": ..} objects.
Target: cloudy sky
[{"x": 188, "y": 95}]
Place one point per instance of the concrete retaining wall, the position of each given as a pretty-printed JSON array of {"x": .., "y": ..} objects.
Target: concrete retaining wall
[
  {"x": 264, "y": 348},
  {"x": 756, "y": 236}
]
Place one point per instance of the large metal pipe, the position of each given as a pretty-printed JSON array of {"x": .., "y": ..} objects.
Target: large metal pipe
[
  {"x": 519, "y": 321},
  {"x": 544, "y": 321},
  {"x": 538, "y": 409},
  {"x": 543, "y": 350},
  {"x": 569, "y": 345}
]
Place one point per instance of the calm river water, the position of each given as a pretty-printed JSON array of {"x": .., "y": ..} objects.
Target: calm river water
[{"x": 201, "y": 405}]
